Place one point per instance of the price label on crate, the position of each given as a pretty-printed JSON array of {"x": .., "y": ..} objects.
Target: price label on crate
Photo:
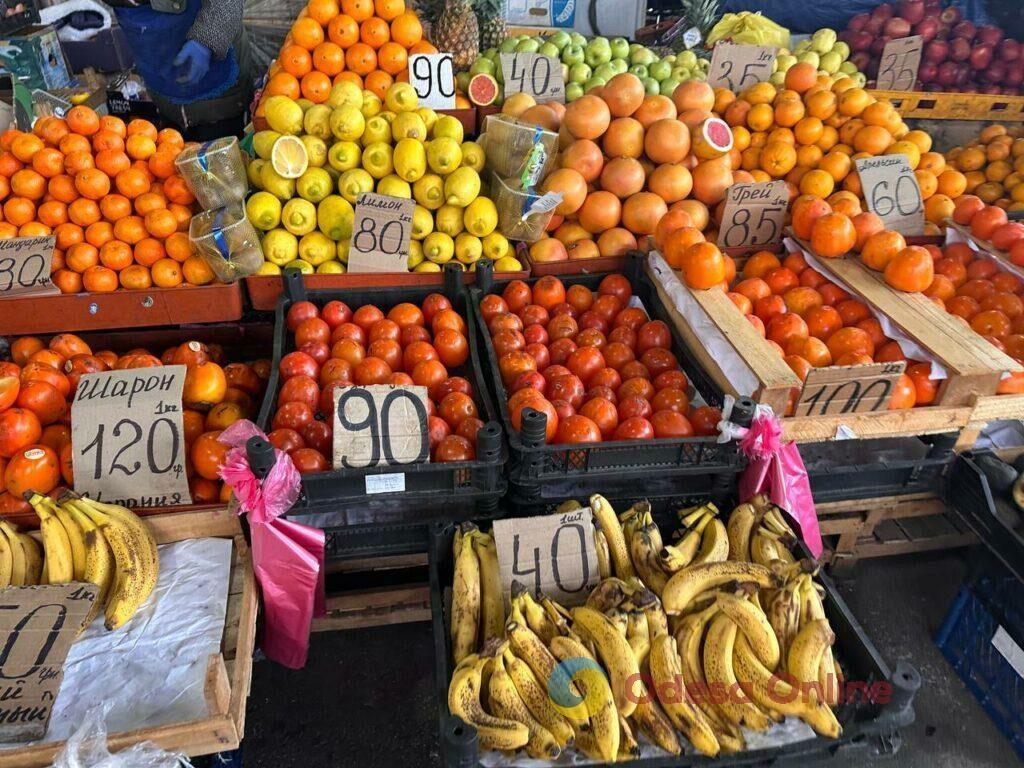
[
  {"x": 380, "y": 234},
  {"x": 892, "y": 192},
  {"x": 737, "y": 66},
  {"x": 128, "y": 437},
  {"x": 897, "y": 69},
  {"x": 25, "y": 266},
  {"x": 39, "y": 624},
  {"x": 554, "y": 554},
  {"x": 432, "y": 75},
  {"x": 380, "y": 424},
  {"x": 535, "y": 74},
  {"x": 848, "y": 389},
  {"x": 754, "y": 214}
]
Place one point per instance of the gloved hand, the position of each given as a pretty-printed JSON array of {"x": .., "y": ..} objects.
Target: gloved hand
[{"x": 194, "y": 61}]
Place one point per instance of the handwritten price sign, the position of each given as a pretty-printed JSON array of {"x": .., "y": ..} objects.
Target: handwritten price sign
[
  {"x": 381, "y": 233},
  {"x": 25, "y": 266},
  {"x": 897, "y": 69},
  {"x": 380, "y": 424},
  {"x": 737, "y": 66},
  {"x": 892, "y": 192},
  {"x": 848, "y": 389},
  {"x": 535, "y": 74},
  {"x": 432, "y": 75},
  {"x": 754, "y": 214}
]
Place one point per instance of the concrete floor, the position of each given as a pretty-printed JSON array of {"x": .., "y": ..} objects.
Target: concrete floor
[{"x": 368, "y": 697}]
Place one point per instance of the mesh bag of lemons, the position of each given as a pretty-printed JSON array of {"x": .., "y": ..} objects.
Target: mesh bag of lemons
[{"x": 315, "y": 160}]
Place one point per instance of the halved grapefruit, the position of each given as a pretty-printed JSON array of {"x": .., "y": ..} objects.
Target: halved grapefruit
[
  {"x": 713, "y": 138},
  {"x": 482, "y": 90}
]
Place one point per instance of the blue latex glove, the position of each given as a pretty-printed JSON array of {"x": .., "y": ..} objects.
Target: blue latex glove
[{"x": 194, "y": 61}]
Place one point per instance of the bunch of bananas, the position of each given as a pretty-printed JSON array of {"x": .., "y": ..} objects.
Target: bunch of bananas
[
  {"x": 726, "y": 608},
  {"x": 84, "y": 540}
]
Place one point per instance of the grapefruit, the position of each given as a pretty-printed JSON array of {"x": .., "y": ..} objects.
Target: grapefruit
[
  {"x": 711, "y": 139},
  {"x": 482, "y": 90}
]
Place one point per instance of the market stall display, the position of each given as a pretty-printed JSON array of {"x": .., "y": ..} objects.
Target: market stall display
[{"x": 992, "y": 166}]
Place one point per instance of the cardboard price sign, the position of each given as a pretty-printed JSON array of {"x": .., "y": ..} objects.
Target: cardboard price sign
[
  {"x": 380, "y": 424},
  {"x": 380, "y": 234},
  {"x": 897, "y": 69},
  {"x": 25, "y": 266},
  {"x": 432, "y": 75},
  {"x": 538, "y": 75},
  {"x": 754, "y": 214},
  {"x": 38, "y": 625},
  {"x": 892, "y": 192},
  {"x": 554, "y": 554},
  {"x": 848, "y": 389},
  {"x": 128, "y": 437},
  {"x": 737, "y": 66}
]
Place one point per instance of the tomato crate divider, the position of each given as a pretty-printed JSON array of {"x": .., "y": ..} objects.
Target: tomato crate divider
[
  {"x": 870, "y": 729},
  {"x": 574, "y": 266},
  {"x": 938, "y": 105},
  {"x": 433, "y": 491},
  {"x": 535, "y": 469}
]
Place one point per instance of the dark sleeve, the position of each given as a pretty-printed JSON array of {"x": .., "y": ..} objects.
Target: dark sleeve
[{"x": 217, "y": 25}]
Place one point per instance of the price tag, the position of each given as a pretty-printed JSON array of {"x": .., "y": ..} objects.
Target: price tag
[
  {"x": 535, "y": 74},
  {"x": 128, "y": 438},
  {"x": 848, "y": 389},
  {"x": 546, "y": 202},
  {"x": 393, "y": 482},
  {"x": 554, "y": 554},
  {"x": 25, "y": 266},
  {"x": 897, "y": 69},
  {"x": 691, "y": 37},
  {"x": 737, "y": 66},
  {"x": 380, "y": 424},
  {"x": 754, "y": 214},
  {"x": 892, "y": 192},
  {"x": 380, "y": 234},
  {"x": 432, "y": 75},
  {"x": 38, "y": 624}
]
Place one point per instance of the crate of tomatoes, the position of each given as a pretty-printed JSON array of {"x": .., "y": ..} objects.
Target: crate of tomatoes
[
  {"x": 224, "y": 382},
  {"x": 331, "y": 342},
  {"x": 595, "y": 387}
]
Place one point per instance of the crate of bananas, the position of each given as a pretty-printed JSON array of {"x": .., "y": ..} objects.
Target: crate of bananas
[{"x": 720, "y": 641}]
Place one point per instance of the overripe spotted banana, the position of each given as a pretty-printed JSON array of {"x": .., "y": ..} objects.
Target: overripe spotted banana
[
  {"x": 739, "y": 530},
  {"x": 597, "y": 702},
  {"x": 614, "y": 651},
  {"x": 652, "y": 722},
  {"x": 644, "y": 548},
  {"x": 76, "y": 538},
  {"x": 714, "y": 544},
  {"x": 525, "y": 608},
  {"x": 17, "y": 554},
  {"x": 507, "y": 704},
  {"x": 492, "y": 603},
  {"x": 806, "y": 653},
  {"x": 666, "y": 672},
  {"x": 783, "y": 611},
  {"x": 628, "y": 747},
  {"x": 99, "y": 560},
  {"x": 830, "y": 675},
  {"x": 527, "y": 646},
  {"x": 605, "y": 516},
  {"x": 466, "y": 595},
  {"x": 638, "y": 636},
  {"x": 691, "y": 581},
  {"x": 604, "y": 555},
  {"x": 557, "y": 615},
  {"x": 6, "y": 561},
  {"x": 567, "y": 506},
  {"x": 719, "y": 671},
  {"x": 464, "y": 702},
  {"x": 537, "y": 700},
  {"x": 754, "y": 625},
  {"x": 777, "y": 523},
  {"x": 657, "y": 621},
  {"x": 608, "y": 595}
]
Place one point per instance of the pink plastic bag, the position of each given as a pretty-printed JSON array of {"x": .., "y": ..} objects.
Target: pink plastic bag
[{"x": 288, "y": 558}]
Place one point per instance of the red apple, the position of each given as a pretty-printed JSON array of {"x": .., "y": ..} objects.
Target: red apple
[
  {"x": 994, "y": 73},
  {"x": 950, "y": 15},
  {"x": 896, "y": 27},
  {"x": 911, "y": 10},
  {"x": 1008, "y": 50},
  {"x": 959, "y": 49},
  {"x": 981, "y": 56},
  {"x": 883, "y": 11},
  {"x": 878, "y": 44},
  {"x": 861, "y": 41},
  {"x": 989, "y": 33},
  {"x": 989, "y": 88},
  {"x": 874, "y": 25},
  {"x": 943, "y": 33},
  {"x": 963, "y": 73},
  {"x": 946, "y": 74},
  {"x": 937, "y": 51},
  {"x": 861, "y": 60},
  {"x": 927, "y": 72},
  {"x": 857, "y": 23},
  {"x": 965, "y": 29},
  {"x": 927, "y": 28},
  {"x": 1014, "y": 74}
]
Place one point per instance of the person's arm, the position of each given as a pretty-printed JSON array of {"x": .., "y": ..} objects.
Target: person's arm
[{"x": 217, "y": 25}]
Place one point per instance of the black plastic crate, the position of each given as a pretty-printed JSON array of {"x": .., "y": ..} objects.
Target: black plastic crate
[
  {"x": 869, "y": 728},
  {"x": 539, "y": 472},
  {"x": 441, "y": 491}
]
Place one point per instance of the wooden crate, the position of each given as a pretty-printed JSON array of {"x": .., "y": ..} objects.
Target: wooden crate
[
  {"x": 890, "y": 525},
  {"x": 955, "y": 106},
  {"x": 361, "y": 607},
  {"x": 228, "y": 673}
]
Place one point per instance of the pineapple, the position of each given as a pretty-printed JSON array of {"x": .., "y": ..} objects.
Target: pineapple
[
  {"x": 428, "y": 12},
  {"x": 490, "y": 15},
  {"x": 701, "y": 14},
  {"x": 456, "y": 31}
]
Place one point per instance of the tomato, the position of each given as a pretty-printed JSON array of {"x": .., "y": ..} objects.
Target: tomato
[
  {"x": 319, "y": 435},
  {"x": 208, "y": 453},
  {"x": 55, "y": 436},
  {"x": 429, "y": 374},
  {"x": 514, "y": 363},
  {"x": 603, "y": 413},
  {"x": 336, "y": 369},
  {"x": 372, "y": 370},
  {"x": 449, "y": 318},
  {"x": 569, "y": 388},
  {"x": 658, "y": 361},
  {"x": 705, "y": 420},
  {"x": 348, "y": 331},
  {"x": 33, "y": 468},
  {"x": 562, "y": 327},
  {"x": 671, "y": 379},
  {"x": 560, "y": 349},
  {"x": 468, "y": 429},
  {"x": 436, "y": 302},
  {"x": 387, "y": 350},
  {"x": 633, "y": 406},
  {"x": 454, "y": 407},
  {"x": 309, "y": 460},
  {"x": 579, "y": 297},
  {"x": 636, "y": 428},
  {"x": 591, "y": 319},
  {"x": 242, "y": 376},
  {"x": 328, "y": 395},
  {"x": 19, "y": 428},
  {"x": 406, "y": 314},
  {"x": 634, "y": 370},
  {"x": 206, "y": 384},
  {"x": 43, "y": 400},
  {"x": 605, "y": 377},
  {"x": 349, "y": 350},
  {"x": 670, "y": 399},
  {"x": 366, "y": 316},
  {"x": 653, "y": 334},
  {"x": 385, "y": 329},
  {"x": 312, "y": 329},
  {"x": 286, "y": 440},
  {"x": 554, "y": 371},
  {"x": 617, "y": 354},
  {"x": 607, "y": 307},
  {"x": 416, "y": 353},
  {"x": 507, "y": 341},
  {"x": 454, "y": 384},
  {"x": 190, "y": 353},
  {"x": 411, "y": 333},
  {"x": 317, "y": 350},
  {"x": 292, "y": 416},
  {"x": 454, "y": 448},
  {"x": 491, "y": 305},
  {"x": 299, "y": 389},
  {"x": 529, "y": 380},
  {"x": 540, "y": 353},
  {"x": 577, "y": 429},
  {"x": 585, "y": 362},
  {"x": 534, "y": 314},
  {"x": 536, "y": 334},
  {"x": 297, "y": 364},
  {"x": 563, "y": 408},
  {"x": 671, "y": 424},
  {"x": 564, "y": 309},
  {"x": 639, "y": 387},
  {"x": 616, "y": 285},
  {"x": 10, "y": 386},
  {"x": 623, "y": 335},
  {"x": 437, "y": 430},
  {"x": 631, "y": 317},
  {"x": 335, "y": 313},
  {"x": 517, "y": 295},
  {"x": 299, "y": 311}
]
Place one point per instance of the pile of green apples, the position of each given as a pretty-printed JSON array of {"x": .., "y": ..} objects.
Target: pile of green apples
[
  {"x": 823, "y": 50},
  {"x": 589, "y": 63}
]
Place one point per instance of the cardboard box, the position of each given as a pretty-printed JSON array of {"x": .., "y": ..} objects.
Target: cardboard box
[
  {"x": 106, "y": 52},
  {"x": 541, "y": 13},
  {"x": 36, "y": 59},
  {"x": 127, "y": 98}
]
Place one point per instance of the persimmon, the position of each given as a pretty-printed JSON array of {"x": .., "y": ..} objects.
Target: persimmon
[{"x": 911, "y": 270}]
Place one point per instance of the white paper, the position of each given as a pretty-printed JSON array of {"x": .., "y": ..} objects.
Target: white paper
[
  {"x": 393, "y": 482},
  {"x": 1009, "y": 650}
]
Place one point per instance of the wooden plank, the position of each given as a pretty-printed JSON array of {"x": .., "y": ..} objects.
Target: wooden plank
[
  {"x": 241, "y": 678},
  {"x": 910, "y": 421},
  {"x": 177, "y": 526},
  {"x": 216, "y": 688},
  {"x": 955, "y": 106},
  {"x": 906, "y": 546},
  {"x": 375, "y": 607},
  {"x": 996, "y": 407},
  {"x": 359, "y": 600},
  {"x": 833, "y": 507},
  {"x": 384, "y": 563}
]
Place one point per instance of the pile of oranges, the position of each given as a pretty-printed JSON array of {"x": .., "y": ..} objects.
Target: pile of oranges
[
  {"x": 110, "y": 195},
  {"x": 365, "y": 41},
  {"x": 993, "y": 165}
]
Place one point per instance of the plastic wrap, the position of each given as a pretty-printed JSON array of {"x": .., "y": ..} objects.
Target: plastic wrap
[
  {"x": 214, "y": 171},
  {"x": 227, "y": 242},
  {"x": 87, "y": 748}
]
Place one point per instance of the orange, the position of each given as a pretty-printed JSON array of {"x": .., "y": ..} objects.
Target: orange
[
  {"x": 104, "y": 139},
  {"x": 166, "y": 273},
  {"x": 853, "y": 101},
  {"x": 34, "y": 229},
  {"x": 392, "y": 58},
  {"x": 67, "y": 281},
  {"x": 28, "y": 183},
  {"x": 328, "y": 58},
  {"x": 283, "y": 84},
  {"x": 77, "y": 161},
  {"x": 53, "y": 130},
  {"x": 178, "y": 246},
  {"x": 143, "y": 127},
  {"x": 149, "y": 251},
  {"x": 778, "y": 158},
  {"x": 816, "y": 182},
  {"x": 308, "y": 33},
  {"x": 703, "y": 265},
  {"x": 951, "y": 183},
  {"x": 130, "y": 229},
  {"x": 83, "y": 120},
  {"x": 378, "y": 82},
  {"x": 150, "y": 201},
  {"x": 424, "y": 47},
  {"x": 68, "y": 234},
  {"x": 389, "y": 9},
  {"x": 872, "y": 139},
  {"x": 183, "y": 214},
  {"x": 350, "y": 77},
  {"x": 343, "y": 30},
  {"x": 316, "y": 86},
  {"x": 99, "y": 233},
  {"x": 99, "y": 279},
  {"x": 374, "y": 32},
  {"x": 760, "y": 264},
  {"x": 132, "y": 182},
  {"x": 53, "y": 213},
  {"x": 116, "y": 255},
  {"x": 322, "y": 11},
  {"x": 9, "y": 164},
  {"x": 295, "y": 59},
  {"x": 170, "y": 136},
  {"x": 161, "y": 162},
  {"x": 135, "y": 277},
  {"x": 927, "y": 182},
  {"x": 73, "y": 142},
  {"x": 82, "y": 256},
  {"x": 160, "y": 223},
  {"x": 406, "y": 29},
  {"x": 19, "y": 210},
  {"x": 114, "y": 207},
  {"x": 112, "y": 161},
  {"x": 25, "y": 146},
  {"x": 48, "y": 162},
  {"x": 92, "y": 183},
  {"x": 177, "y": 191},
  {"x": 140, "y": 147},
  {"x": 197, "y": 271},
  {"x": 360, "y": 10},
  {"x": 361, "y": 59}
]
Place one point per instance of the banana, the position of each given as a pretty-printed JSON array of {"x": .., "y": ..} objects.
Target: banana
[
  {"x": 465, "y": 620},
  {"x": 763, "y": 549},
  {"x": 75, "y": 536},
  {"x": 598, "y": 701},
  {"x": 652, "y": 722},
  {"x": 604, "y": 555},
  {"x": 628, "y": 748},
  {"x": 464, "y": 702},
  {"x": 614, "y": 651},
  {"x": 528, "y": 647},
  {"x": 644, "y": 548},
  {"x": 754, "y": 625},
  {"x": 59, "y": 563},
  {"x": 492, "y": 603},
  {"x": 608, "y": 595},
  {"x": 714, "y": 544},
  {"x": 6, "y": 562},
  {"x": 567, "y": 506},
  {"x": 638, "y": 636},
  {"x": 537, "y": 700},
  {"x": 830, "y": 675},
  {"x": 605, "y": 516},
  {"x": 691, "y": 581},
  {"x": 657, "y": 621},
  {"x": 557, "y": 615},
  {"x": 776, "y": 523},
  {"x": 686, "y": 716},
  {"x": 148, "y": 553},
  {"x": 741, "y": 525},
  {"x": 35, "y": 567},
  {"x": 537, "y": 618},
  {"x": 784, "y": 614},
  {"x": 507, "y": 704},
  {"x": 99, "y": 561},
  {"x": 720, "y": 675},
  {"x": 690, "y": 517},
  {"x": 806, "y": 653},
  {"x": 17, "y": 554}
]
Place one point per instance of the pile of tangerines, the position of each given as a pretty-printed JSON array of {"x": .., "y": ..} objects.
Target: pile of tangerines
[
  {"x": 993, "y": 165},
  {"x": 110, "y": 195},
  {"x": 37, "y": 387},
  {"x": 365, "y": 41}
]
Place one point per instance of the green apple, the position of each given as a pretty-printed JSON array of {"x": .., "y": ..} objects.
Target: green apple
[
  {"x": 823, "y": 40},
  {"x": 687, "y": 59},
  {"x": 572, "y": 54},
  {"x": 619, "y": 65},
  {"x": 527, "y": 46},
  {"x": 784, "y": 62},
  {"x": 639, "y": 70},
  {"x": 573, "y": 91},
  {"x": 605, "y": 71},
  {"x": 671, "y": 58},
  {"x": 681, "y": 73},
  {"x": 651, "y": 86},
  {"x": 847, "y": 68},
  {"x": 802, "y": 46},
  {"x": 643, "y": 56},
  {"x": 859, "y": 78},
  {"x": 659, "y": 70},
  {"x": 620, "y": 47},
  {"x": 810, "y": 57},
  {"x": 830, "y": 62},
  {"x": 559, "y": 39},
  {"x": 668, "y": 86},
  {"x": 565, "y": 72},
  {"x": 547, "y": 49},
  {"x": 462, "y": 80},
  {"x": 777, "y": 78},
  {"x": 508, "y": 45},
  {"x": 577, "y": 39},
  {"x": 482, "y": 66},
  {"x": 842, "y": 49},
  {"x": 579, "y": 73},
  {"x": 594, "y": 82},
  {"x": 597, "y": 52},
  {"x": 490, "y": 53}
]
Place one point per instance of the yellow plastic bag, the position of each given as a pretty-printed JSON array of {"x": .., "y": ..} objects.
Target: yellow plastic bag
[{"x": 748, "y": 28}]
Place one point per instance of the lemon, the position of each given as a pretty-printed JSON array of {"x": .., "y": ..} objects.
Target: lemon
[
  {"x": 415, "y": 253},
  {"x": 332, "y": 267},
  {"x": 372, "y": 104},
  {"x": 334, "y": 217},
  {"x": 448, "y": 126},
  {"x": 422, "y": 222},
  {"x": 343, "y": 248},
  {"x": 449, "y": 220},
  {"x": 429, "y": 191},
  {"x": 496, "y": 246},
  {"x": 394, "y": 186},
  {"x": 353, "y": 183},
  {"x": 507, "y": 264},
  {"x": 283, "y": 115},
  {"x": 377, "y": 160},
  {"x": 410, "y": 159},
  {"x": 316, "y": 248},
  {"x": 276, "y": 184},
  {"x": 473, "y": 156},
  {"x": 347, "y": 122},
  {"x": 428, "y": 116},
  {"x": 377, "y": 130},
  {"x": 438, "y": 247},
  {"x": 401, "y": 97},
  {"x": 344, "y": 155},
  {"x": 263, "y": 210},
  {"x": 444, "y": 155},
  {"x": 333, "y": 172},
  {"x": 263, "y": 143},
  {"x": 314, "y": 185},
  {"x": 298, "y": 216},
  {"x": 480, "y": 217},
  {"x": 316, "y": 150},
  {"x": 388, "y": 115},
  {"x": 408, "y": 125},
  {"x": 280, "y": 247},
  {"x": 345, "y": 92},
  {"x": 317, "y": 121},
  {"x": 289, "y": 157},
  {"x": 468, "y": 248},
  {"x": 253, "y": 172},
  {"x": 304, "y": 104},
  {"x": 427, "y": 266},
  {"x": 268, "y": 268},
  {"x": 300, "y": 264},
  {"x": 462, "y": 187}
]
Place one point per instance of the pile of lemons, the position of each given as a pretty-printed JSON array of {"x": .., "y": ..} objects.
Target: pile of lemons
[{"x": 315, "y": 160}]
